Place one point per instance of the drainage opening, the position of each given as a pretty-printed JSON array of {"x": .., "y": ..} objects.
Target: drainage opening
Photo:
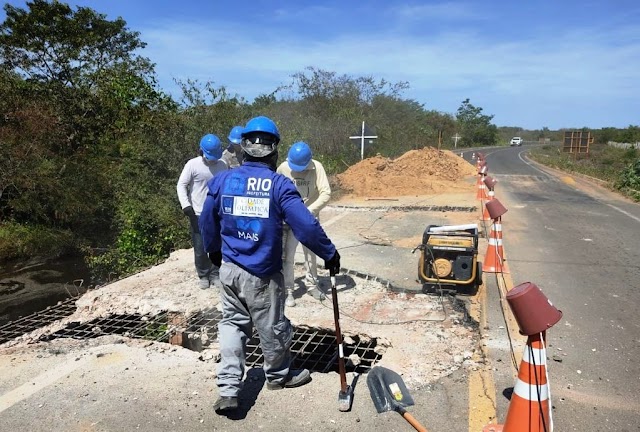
[{"x": 313, "y": 349}]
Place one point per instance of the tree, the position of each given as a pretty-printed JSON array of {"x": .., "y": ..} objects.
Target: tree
[
  {"x": 75, "y": 97},
  {"x": 50, "y": 42},
  {"x": 476, "y": 128}
]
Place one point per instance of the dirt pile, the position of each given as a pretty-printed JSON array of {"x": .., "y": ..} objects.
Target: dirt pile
[{"x": 417, "y": 172}]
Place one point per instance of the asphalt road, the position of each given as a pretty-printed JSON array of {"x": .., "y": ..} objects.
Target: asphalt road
[
  {"x": 577, "y": 242},
  {"x": 580, "y": 244}
]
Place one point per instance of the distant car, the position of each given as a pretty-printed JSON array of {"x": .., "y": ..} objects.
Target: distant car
[{"x": 515, "y": 141}]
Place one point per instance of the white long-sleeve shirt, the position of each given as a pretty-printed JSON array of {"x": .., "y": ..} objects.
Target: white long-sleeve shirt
[
  {"x": 192, "y": 184},
  {"x": 312, "y": 183}
]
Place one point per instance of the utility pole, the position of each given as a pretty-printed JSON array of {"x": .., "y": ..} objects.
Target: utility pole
[
  {"x": 456, "y": 137},
  {"x": 362, "y": 136}
]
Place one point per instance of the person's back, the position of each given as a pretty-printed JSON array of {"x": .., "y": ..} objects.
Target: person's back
[
  {"x": 260, "y": 200},
  {"x": 241, "y": 226}
]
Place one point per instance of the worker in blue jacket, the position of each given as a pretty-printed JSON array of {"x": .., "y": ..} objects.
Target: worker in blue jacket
[{"x": 241, "y": 225}]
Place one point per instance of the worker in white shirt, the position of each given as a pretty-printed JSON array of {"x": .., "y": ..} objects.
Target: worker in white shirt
[{"x": 192, "y": 191}]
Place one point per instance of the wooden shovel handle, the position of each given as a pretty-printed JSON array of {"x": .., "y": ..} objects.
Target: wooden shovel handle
[{"x": 411, "y": 419}]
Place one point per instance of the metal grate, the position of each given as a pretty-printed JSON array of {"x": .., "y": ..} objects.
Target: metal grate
[
  {"x": 130, "y": 325},
  {"x": 37, "y": 320},
  {"x": 313, "y": 349}
]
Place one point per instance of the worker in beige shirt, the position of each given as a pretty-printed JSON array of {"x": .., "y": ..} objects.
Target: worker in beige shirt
[
  {"x": 311, "y": 181},
  {"x": 232, "y": 155}
]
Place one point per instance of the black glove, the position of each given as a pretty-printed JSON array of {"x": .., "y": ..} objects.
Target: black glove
[
  {"x": 188, "y": 211},
  {"x": 216, "y": 258},
  {"x": 333, "y": 265}
]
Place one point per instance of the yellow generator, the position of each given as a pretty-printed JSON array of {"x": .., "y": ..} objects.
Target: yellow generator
[{"x": 449, "y": 259}]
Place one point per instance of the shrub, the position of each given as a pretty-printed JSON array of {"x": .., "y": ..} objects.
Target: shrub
[
  {"x": 19, "y": 240},
  {"x": 629, "y": 180}
]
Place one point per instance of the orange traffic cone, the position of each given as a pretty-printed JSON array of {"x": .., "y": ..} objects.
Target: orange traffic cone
[
  {"x": 494, "y": 257},
  {"x": 530, "y": 406},
  {"x": 485, "y": 214},
  {"x": 482, "y": 188},
  {"x": 481, "y": 194},
  {"x": 490, "y": 183}
]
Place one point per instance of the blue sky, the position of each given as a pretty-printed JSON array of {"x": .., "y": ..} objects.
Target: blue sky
[{"x": 530, "y": 64}]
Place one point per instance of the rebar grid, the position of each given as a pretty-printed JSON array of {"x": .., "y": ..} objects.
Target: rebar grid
[
  {"x": 34, "y": 321},
  {"x": 129, "y": 325},
  {"x": 313, "y": 349}
]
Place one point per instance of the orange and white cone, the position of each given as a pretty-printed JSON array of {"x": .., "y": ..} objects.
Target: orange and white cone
[
  {"x": 485, "y": 215},
  {"x": 481, "y": 194},
  {"x": 494, "y": 257},
  {"x": 529, "y": 406}
]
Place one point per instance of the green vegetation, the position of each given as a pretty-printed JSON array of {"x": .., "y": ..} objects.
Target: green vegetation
[
  {"x": 92, "y": 148},
  {"x": 628, "y": 182},
  {"x": 476, "y": 127},
  {"x": 21, "y": 240},
  {"x": 620, "y": 168}
]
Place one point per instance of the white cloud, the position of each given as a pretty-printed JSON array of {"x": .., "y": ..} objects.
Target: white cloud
[{"x": 443, "y": 69}]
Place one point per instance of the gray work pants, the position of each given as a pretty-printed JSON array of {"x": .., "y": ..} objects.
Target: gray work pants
[
  {"x": 204, "y": 268},
  {"x": 249, "y": 300}
]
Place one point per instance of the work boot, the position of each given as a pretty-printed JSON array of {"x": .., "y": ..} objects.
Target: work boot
[
  {"x": 317, "y": 293},
  {"x": 214, "y": 280},
  {"x": 203, "y": 283},
  {"x": 290, "y": 301},
  {"x": 296, "y": 378},
  {"x": 310, "y": 280},
  {"x": 225, "y": 404}
]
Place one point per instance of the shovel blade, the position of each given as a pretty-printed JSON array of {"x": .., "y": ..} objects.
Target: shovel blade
[{"x": 387, "y": 389}]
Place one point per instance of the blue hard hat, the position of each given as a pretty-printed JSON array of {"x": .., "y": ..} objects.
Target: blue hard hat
[
  {"x": 299, "y": 156},
  {"x": 211, "y": 147},
  {"x": 235, "y": 136},
  {"x": 260, "y": 137},
  {"x": 261, "y": 124}
]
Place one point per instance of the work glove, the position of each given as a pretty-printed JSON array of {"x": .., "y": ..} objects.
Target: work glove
[
  {"x": 216, "y": 258},
  {"x": 188, "y": 211},
  {"x": 333, "y": 264}
]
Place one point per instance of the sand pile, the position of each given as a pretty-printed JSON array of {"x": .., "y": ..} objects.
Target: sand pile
[{"x": 417, "y": 172}]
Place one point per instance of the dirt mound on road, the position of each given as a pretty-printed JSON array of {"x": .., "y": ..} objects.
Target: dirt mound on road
[{"x": 417, "y": 172}]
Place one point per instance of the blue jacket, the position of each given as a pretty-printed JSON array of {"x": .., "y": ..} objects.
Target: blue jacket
[{"x": 243, "y": 216}]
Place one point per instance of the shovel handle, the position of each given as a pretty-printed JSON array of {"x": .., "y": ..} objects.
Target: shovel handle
[
  {"x": 411, "y": 419},
  {"x": 342, "y": 371},
  {"x": 413, "y": 422}
]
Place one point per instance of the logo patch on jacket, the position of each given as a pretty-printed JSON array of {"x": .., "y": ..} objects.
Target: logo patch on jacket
[{"x": 246, "y": 206}]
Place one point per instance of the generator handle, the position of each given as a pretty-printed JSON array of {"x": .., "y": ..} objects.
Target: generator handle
[{"x": 446, "y": 228}]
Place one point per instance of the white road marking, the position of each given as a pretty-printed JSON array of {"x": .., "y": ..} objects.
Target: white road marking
[
  {"x": 530, "y": 164},
  {"x": 334, "y": 219},
  {"x": 43, "y": 380},
  {"x": 626, "y": 213}
]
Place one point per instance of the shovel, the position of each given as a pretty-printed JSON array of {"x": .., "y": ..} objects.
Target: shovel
[
  {"x": 389, "y": 393},
  {"x": 346, "y": 391}
]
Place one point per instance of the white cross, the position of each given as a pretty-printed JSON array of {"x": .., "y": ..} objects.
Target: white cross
[
  {"x": 362, "y": 136},
  {"x": 456, "y": 137}
]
